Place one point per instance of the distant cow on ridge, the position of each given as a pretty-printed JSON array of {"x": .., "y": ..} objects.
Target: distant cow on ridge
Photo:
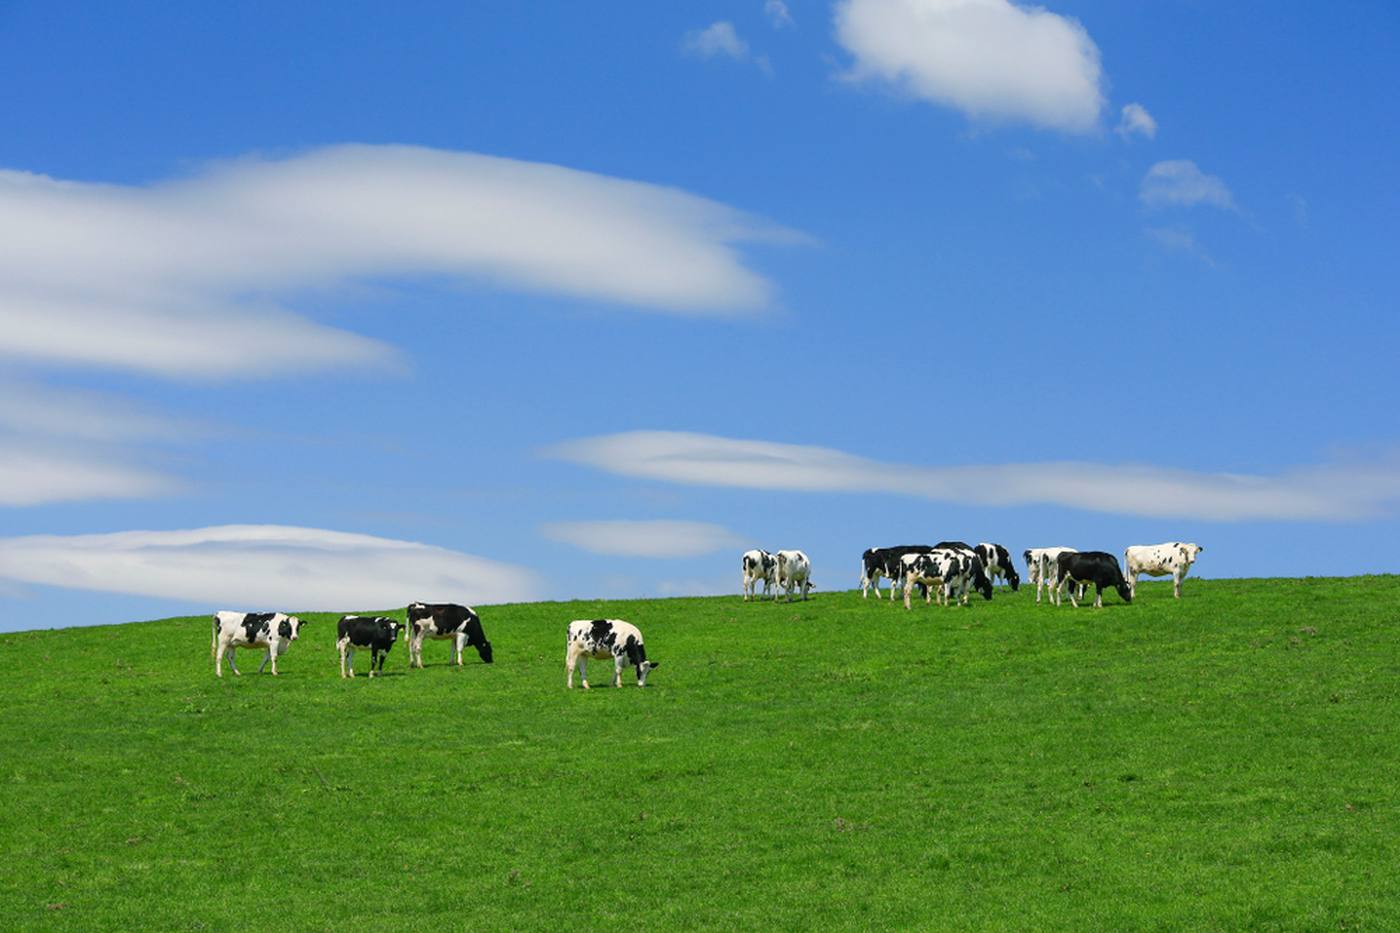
[
  {"x": 274, "y": 631},
  {"x": 1173, "y": 560},
  {"x": 450, "y": 621}
]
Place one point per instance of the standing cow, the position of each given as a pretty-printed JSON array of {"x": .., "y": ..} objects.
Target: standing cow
[
  {"x": 879, "y": 562},
  {"x": 377, "y": 633},
  {"x": 794, "y": 572},
  {"x": 758, "y": 565},
  {"x": 603, "y": 639},
  {"x": 1042, "y": 566},
  {"x": 1080, "y": 568},
  {"x": 1172, "y": 559},
  {"x": 450, "y": 621},
  {"x": 274, "y": 631},
  {"x": 951, "y": 573},
  {"x": 996, "y": 561}
]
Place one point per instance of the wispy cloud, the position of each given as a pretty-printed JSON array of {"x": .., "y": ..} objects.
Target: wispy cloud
[
  {"x": 262, "y": 566},
  {"x": 1180, "y": 183},
  {"x": 66, "y": 446},
  {"x": 643, "y": 538},
  {"x": 777, "y": 13},
  {"x": 190, "y": 277},
  {"x": 1319, "y": 493},
  {"x": 721, "y": 40},
  {"x": 990, "y": 59},
  {"x": 1179, "y": 240},
  {"x": 1136, "y": 121}
]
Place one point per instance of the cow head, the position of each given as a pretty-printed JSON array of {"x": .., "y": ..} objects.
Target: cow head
[
  {"x": 1124, "y": 592},
  {"x": 980, "y": 581},
  {"x": 476, "y": 638},
  {"x": 1189, "y": 552},
  {"x": 643, "y": 670},
  {"x": 393, "y": 628},
  {"x": 289, "y": 627}
]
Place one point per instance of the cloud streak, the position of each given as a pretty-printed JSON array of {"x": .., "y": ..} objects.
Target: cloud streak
[
  {"x": 1136, "y": 121},
  {"x": 990, "y": 59},
  {"x": 1181, "y": 183},
  {"x": 643, "y": 538},
  {"x": 188, "y": 277},
  {"x": 262, "y": 566},
  {"x": 1341, "y": 492}
]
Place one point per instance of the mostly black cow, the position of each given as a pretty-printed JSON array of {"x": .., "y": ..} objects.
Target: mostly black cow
[
  {"x": 603, "y": 639},
  {"x": 376, "y": 633},
  {"x": 1078, "y": 568},
  {"x": 440, "y": 621},
  {"x": 274, "y": 631},
  {"x": 879, "y": 562}
]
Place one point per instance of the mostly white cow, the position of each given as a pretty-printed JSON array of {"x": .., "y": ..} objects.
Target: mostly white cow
[
  {"x": 1085, "y": 567},
  {"x": 274, "y": 631},
  {"x": 376, "y": 633},
  {"x": 879, "y": 562},
  {"x": 758, "y": 565},
  {"x": 794, "y": 572},
  {"x": 1042, "y": 567},
  {"x": 1172, "y": 559},
  {"x": 603, "y": 639},
  {"x": 952, "y": 573},
  {"x": 440, "y": 621}
]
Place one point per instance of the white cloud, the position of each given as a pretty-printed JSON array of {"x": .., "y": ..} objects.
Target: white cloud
[
  {"x": 1180, "y": 183},
  {"x": 777, "y": 13},
  {"x": 65, "y": 446},
  {"x": 644, "y": 538},
  {"x": 1136, "y": 120},
  {"x": 38, "y": 474},
  {"x": 1179, "y": 240},
  {"x": 720, "y": 40},
  {"x": 717, "y": 40},
  {"x": 1321, "y": 493},
  {"x": 262, "y": 567},
  {"x": 181, "y": 278},
  {"x": 991, "y": 59}
]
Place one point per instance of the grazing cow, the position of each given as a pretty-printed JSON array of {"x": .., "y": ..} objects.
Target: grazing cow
[
  {"x": 997, "y": 562},
  {"x": 377, "y": 633},
  {"x": 879, "y": 562},
  {"x": 794, "y": 572},
  {"x": 759, "y": 565},
  {"x": 445, "y": 621},
  {"x": 954, "y": 573},
  {"x": 1041, "y": 567},
  {"x": 1084, "y": 567},
  {"x": 1173, "y": 559},
  {"x": 602, "y": 639},
  {"x": 271, "y": 630}
]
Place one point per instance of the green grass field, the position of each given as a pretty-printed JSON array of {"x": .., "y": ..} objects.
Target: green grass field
[{"x": 1228, "y": 761}]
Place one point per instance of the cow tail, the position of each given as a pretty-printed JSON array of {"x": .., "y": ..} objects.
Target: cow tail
[{"x": 214, "y": 645}]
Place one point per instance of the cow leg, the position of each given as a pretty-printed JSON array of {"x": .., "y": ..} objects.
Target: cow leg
[
  {"x": 233, "y": 660},
  {"x": 619, "y": 662},
  {"x": 340, "y": 647},
  {"x": 583, "y": 669},
  {"x": 908, "y": 591},
  {"x": 1176, "y": 585},
  {"x": 373, "y": 659},
  {"x": 219, "y": 662},
  {"x": 1071, "y": 587},
  {"x": 806, "y": 585},
  {"x": 270, "y": 656},
  {"x": 570, "y": 662},
  {"x": 1098, "y": 595}
]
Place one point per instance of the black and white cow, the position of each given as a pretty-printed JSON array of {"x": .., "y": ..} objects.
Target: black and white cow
[
  {"x": 449, "y": 621},
  {"x": 951, "y": 573},
  {"x": 759, "y": 565},
  {"x": 1172, "y": 559},
  {"x": 1042, "y": 566},
  {"x": 794, "y": 572},
  {"x": 603, "y": 639},
  {"x": 377, "y": 633},
  {"x": 1084, "y": 567},
  {"x": 274, "y": 631},
  {"x": 996, "y": 560},
  {"x": 879, "y": 562}
]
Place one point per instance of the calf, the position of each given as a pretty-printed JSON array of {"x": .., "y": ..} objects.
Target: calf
[
  {"x": 1041, "y": 568},
  {"x": 376, "y": 633},
  {"x": 602, "y": 639},
  {"x": 758, "y": 565},
  {"x": 449, "y": 621},
  {"x": 1173, "y": 559},
  {"x": 879, "y": 562},
  {"x": 794, "y": 572},
  {"x": 954, "y": 573},
  {"x": 271, "y": 630},
  {"x": 1084, "y": 567},
  {"x": 997, "y": 561}
]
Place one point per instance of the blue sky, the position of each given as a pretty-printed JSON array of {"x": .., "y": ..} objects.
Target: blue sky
[{"x": 336, "y": 306}]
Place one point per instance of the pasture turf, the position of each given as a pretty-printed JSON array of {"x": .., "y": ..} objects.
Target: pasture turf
[{"x": 1228, "y": 761}]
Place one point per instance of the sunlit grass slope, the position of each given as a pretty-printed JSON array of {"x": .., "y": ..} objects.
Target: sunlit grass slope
[{"x": 1226, "y": 761}]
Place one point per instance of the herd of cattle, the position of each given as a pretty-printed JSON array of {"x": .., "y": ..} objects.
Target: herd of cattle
[
  {"x": 951, "y": 570},
  {"x": 948, "y": 571},
  {"x": 274, "y": 632}
]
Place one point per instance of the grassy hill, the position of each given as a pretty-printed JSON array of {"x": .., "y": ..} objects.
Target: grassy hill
[{"x": 1227, "y": 761}]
